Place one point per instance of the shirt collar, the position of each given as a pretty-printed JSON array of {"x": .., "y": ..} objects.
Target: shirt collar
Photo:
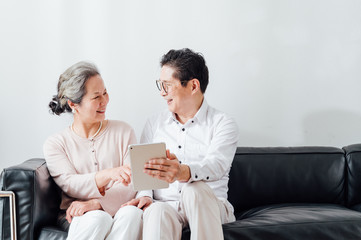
[
  {"x": 202, "y": 112},
  {"x": 200, "y": 115}
]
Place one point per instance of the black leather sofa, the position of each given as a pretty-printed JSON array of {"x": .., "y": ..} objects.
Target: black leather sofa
[{"x": 277, "y": 193}]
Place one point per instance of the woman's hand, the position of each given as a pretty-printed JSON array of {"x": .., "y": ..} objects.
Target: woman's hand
[
  {"x": 119, "y": 174},
  {"x": 78, "y": 208},
  {"x": 142, "y": 202}
]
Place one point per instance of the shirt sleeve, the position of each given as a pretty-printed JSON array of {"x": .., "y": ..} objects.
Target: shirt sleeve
[
  {"x": 79, "y": 186},
  {"x": 218, "y": 159}
]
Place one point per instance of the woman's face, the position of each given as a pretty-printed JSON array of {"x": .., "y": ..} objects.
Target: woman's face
[{"x": 94, "y": 103}]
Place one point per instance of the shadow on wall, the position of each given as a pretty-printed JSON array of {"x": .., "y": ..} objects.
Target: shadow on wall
[{"x": 332, "y": 128}]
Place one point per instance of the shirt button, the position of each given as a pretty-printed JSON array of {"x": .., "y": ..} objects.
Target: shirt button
[
  {"x": 179, "y": 146},
  {"x": 207, "y": 177},
  {"x": 180, "y": 191},
  {"x": 180, "y": 162},
  {"x": 196, "y": 176},
  {"x": 93, "y": 150},
  {"x": 95, "y": 164},
  {"x": 183, "y": 129},
  {"x": 192, "y": 121}
]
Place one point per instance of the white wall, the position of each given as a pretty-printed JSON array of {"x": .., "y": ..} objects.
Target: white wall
[{"x": 288, "y": 71}]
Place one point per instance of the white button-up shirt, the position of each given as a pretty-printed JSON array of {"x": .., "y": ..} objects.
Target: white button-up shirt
[{"x": 206, "y": 143}]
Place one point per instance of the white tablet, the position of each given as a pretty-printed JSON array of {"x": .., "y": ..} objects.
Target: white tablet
[{"x": 139, "y": 155}]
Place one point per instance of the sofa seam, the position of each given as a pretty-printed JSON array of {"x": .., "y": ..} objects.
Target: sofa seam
[{"x": 293, "y": 224}]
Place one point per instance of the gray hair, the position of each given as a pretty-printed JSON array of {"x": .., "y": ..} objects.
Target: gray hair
[{"x": 71, "y": 86}]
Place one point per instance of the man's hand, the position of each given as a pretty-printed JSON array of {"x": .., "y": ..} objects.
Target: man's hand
[
  {"x": 78, "y": 208},
  {"x": 168, "y": 169},
  {"x": 142, "y": 202}
]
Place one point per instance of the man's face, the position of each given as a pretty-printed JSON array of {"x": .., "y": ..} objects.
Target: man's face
[{"x": 177, "y": 96}]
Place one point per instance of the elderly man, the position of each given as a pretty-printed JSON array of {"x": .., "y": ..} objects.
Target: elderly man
[{"x": 202, "y": 142}]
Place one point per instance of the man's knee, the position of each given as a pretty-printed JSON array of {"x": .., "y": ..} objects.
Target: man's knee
[
  {"x": 195, "y": 192},
  {"x": 154, "y": 208},
  {"x": 157, "y": 209}
]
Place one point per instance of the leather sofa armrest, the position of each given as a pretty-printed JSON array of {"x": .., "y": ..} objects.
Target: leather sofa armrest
[{"x": 37, "y": 198}]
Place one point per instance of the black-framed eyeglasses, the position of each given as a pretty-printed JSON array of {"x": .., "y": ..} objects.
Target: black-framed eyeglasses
[{"x": 165, "y": 85}]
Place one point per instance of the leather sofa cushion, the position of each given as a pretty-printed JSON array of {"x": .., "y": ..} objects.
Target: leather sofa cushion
[
  {"x": 52, "y": 233},
  {"x": 296, "y": 221},
  {"x": 264, "y": 176}
]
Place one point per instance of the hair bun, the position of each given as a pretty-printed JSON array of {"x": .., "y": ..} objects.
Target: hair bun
[{"x": 55, "y": 106}]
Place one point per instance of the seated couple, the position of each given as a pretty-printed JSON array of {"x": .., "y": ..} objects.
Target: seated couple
[{"x": 89, "y": 160}]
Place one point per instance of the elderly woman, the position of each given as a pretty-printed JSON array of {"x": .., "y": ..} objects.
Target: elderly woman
[{"x": 88, "y": 160}]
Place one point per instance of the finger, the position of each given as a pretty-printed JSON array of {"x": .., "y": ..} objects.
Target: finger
[
  {"x": 72, "y": 212},
  {"x": 68, "y": 217},
  {"x": 157, "y": 167},
  {"x": 127, "y": 170},
  {"x": 159, "y": 161},
  {"x": 167, "y": 152},
  {"x": 157, "y": 174},
  {"x": 125, "y": 178},
  {"x": 147, "y": 205},
  {"x": 141, "y": 204},
  {"x": 165, "y": 176},
  {"x": 145, "y": 202},
  {"x": 79, "y": 212},
  {"x": 133, "y": 202},
  {"x": 118, "y": 178},
  {"x": 153, "y": 172},
  {"x": 172, "y": 156},
  {"x": 125, "y": 204},
  {"x": 69, "y": 209}
]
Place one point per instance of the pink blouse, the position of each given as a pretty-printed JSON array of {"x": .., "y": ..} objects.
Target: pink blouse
[{"x": 73, "y": 162}]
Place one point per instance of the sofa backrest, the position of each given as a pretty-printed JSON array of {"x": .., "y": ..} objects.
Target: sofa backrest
[
  {"x": 353, "y": 159},
  {"x": 264, "y": 176}
]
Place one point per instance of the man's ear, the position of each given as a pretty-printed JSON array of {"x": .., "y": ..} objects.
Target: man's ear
[{"x": 196, "y": 85}]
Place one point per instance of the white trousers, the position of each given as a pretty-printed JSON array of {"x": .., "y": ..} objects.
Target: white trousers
[
  {"x": 99, "y": 225},
  {"x": 199, "y": 208}
]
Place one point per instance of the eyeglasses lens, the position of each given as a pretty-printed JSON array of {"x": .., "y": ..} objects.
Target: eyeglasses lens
[{"x": 161, "y": 85}]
